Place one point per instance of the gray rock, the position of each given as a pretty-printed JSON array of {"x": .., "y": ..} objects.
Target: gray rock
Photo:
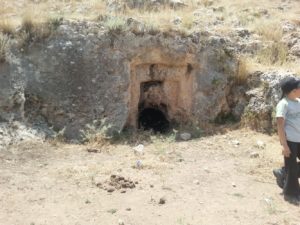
[
  {"x": 177, "y": 4},
  {"x": 185, "y": 136},
  {"x": 235, "y": 142},
  {"x": 295, "y": 50},
  {"x": 263, "y": 97},
  {"x": 177, "y": 20},
  {"x": 260, "y": 144},
  {"x": 111, "y": 189},
  {"x": 254, "y": 155},
  {"x": 288, "y": 27},
  {"x": 242, "y": 32},
  {"x": 197, "y": 182},
  {"x": 121, "y": 222}
]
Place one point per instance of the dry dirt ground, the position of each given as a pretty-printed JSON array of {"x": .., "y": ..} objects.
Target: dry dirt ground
[{"x": 211, "y": 180}]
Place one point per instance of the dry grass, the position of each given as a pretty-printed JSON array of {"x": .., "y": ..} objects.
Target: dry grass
[
  {"x": 274, "y": 54},
  {"x": 7, "y": 27},
  {"x": 242, "y": 71},
  {"x": 229, "y": 11},
  {"x": 32, "y": 29},
  {"x": 262, "y": 17},
  {"x": 91, "y": 8},
  {"x": 4, "y": 44},
  {"x": 270, "y": 30},
  {"x": 115, "y": 24}
]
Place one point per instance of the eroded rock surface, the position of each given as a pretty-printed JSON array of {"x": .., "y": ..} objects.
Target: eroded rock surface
[
  {"x": 263, "y": 96},
  {"x": 84, "y": 73}
]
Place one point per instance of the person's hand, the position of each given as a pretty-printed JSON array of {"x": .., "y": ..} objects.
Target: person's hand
[{"x": 286, "y": 151}]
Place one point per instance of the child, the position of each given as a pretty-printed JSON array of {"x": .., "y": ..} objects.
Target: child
[{"x": 288, "y": 125}]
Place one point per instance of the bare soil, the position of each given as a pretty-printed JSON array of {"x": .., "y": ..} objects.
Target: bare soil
[{"x": 221, "y": 179}]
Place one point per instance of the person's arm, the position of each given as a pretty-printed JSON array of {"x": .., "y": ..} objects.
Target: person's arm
[{"x": 282, "y": 137}]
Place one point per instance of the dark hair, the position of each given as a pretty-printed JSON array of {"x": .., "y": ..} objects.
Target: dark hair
[{"x": 288, "y": 84}]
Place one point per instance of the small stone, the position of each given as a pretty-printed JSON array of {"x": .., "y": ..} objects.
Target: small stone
[
  {"x": 128, "y": 209},
  {"x": 112, "y": 211},
  {"x": 111, "y": 189},
  {"x": 206, "y": 169},
  {"x": 151, "y": 185},
  {"x": 139, "y": 164},
  {"x": 131, "y": 186},
  {"x": 139, "y": 150},
  {"x": 260, "y": 144},
  {"x": 123, "y": 191},
  {"x": 295, "y": 50},
  {"x": 254, "y": 155},
  {"x": 93, "y": 150},
  {"x": 235, "y": 142},
  {"x": 196, "y": 182},
  {"x": 177, "y": 3},
  {"x": 120, "y": 178},
  {"x": 121, "y": 222},
  {"x": 177, "y": 20},
  {"x": 185, "y": 136},
  {"x": 233, "y": 185},
  {"x": 162, "y": 201}
]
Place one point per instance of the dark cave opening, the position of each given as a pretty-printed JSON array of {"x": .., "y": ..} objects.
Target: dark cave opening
[{"x": 153, "y": 119}]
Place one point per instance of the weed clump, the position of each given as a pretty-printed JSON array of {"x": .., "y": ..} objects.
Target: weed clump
[
  {"x": 242, "y": 71},
  {"x": 275, "y": 53},
  {"x": 4, "y": 45},
  {"x": 115, "y": 24},
  {"x": 32, "y": 30},
  {"x": 7, "y": 28}
]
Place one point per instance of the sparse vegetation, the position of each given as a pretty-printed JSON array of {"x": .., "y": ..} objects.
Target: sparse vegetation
[
  {"x": 274, "y": 53},
  {"x": 97, "y": 132},
  {"x": 54, "y": 22},
  {"x": 4, "y": 44},
  {"x": 59, "y": 137},
  {"x": 242, "y": 71},
  {"x": 6, "y": 27},
  {"x": 270, "y": 30},
  {"x": 34, "y": 30},
  {"x": 115, "y": 24}
]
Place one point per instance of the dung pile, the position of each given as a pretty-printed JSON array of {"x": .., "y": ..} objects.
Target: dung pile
[{"x": 117, "y": 182}]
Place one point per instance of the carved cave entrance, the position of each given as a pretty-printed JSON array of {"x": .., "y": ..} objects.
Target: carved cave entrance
[
  {"x": 152, "y": 112},
  {"x": 160, "y": 95}
]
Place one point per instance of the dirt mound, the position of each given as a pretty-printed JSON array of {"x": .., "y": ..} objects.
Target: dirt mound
[{"x": 116, "y": 182}]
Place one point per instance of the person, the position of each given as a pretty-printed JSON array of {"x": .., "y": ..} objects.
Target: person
[{"x": 288, "y": 126}]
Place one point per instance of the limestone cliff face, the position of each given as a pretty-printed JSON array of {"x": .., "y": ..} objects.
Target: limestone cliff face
[{"x": 82, "y": 74}]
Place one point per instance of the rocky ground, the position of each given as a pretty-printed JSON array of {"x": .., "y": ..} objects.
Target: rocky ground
[{"x": 225, "y": 178}]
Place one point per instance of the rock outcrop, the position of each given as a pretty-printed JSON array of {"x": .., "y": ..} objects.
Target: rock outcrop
[
  {"x": 84, "y": 73},
  {"x": 262, "y": 97}
]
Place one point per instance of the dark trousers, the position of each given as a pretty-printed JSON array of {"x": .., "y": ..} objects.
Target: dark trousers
[{"x": 291, "y": 186}]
